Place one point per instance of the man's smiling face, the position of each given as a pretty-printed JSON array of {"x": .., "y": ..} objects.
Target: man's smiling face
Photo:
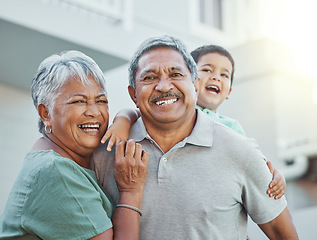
[{"x": 164, "y": 90}]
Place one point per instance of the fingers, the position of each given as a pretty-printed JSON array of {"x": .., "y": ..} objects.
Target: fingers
[
  {"x": 270, "y": 166},
  {"x": 112, "y": 141},
  {"x": 120, "y": 150},
  {"x": 110, "y": 144},
  {"x": 130, "y": 148},
  {"x": 105, "y": 137},
  {"x": 138, "y": 151},
  {"x": 125, "y": 151},
  {"x": 277, "y": 193},
  {"x": 277, "y": 186},
  {"x": 115, "y": 133},
  {"x": 145, "y": 157},
  {"x": 130, "y": 165}
]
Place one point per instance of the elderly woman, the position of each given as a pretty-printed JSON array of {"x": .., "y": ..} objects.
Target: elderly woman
[{"x": 55, "y": 195}]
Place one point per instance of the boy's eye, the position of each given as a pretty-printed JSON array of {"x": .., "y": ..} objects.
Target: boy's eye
[
  {"x": 206, "y": 70},
  {"x": 225, "y": 75}
]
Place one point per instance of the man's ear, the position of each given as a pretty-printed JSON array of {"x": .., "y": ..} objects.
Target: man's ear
[
  {"x": 44, "y": 114},
  {"x": 132, "y": 94},
  {"x": 196, "y": 84}
]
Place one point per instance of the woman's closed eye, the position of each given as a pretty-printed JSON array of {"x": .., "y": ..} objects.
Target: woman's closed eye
[
  {"x": 102, "y": 101},
  {"x": 79, "y": 101}
]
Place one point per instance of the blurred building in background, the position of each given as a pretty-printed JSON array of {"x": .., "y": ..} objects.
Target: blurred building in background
[{"x": 275, "y": 76}]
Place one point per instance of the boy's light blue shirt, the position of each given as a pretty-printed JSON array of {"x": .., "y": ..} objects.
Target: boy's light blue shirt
[{"x": 229, "y": 122}]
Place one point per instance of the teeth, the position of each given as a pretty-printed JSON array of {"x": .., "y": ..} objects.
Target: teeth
[
  {"x": 90, "y": 130},
  {"x": 213, "y": 88},
  {"x": 164, "y": 102},
  {"x": 89, "y": 126}
]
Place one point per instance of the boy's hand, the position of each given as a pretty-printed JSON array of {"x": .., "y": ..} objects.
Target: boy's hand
[
  {"x": 118, "y": 131},
  {"x": 277, "y": 186}
]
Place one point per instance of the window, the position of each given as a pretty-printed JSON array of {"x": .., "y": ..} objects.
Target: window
[
  {"x": 214, "y": 19},
  {"x": 210, "y": 13}
]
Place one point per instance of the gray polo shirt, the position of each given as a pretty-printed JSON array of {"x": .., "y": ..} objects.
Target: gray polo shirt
[{"x": 203, "y": 188}]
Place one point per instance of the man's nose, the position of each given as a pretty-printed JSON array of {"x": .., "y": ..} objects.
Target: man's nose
[{"x": 164, "y": 85}]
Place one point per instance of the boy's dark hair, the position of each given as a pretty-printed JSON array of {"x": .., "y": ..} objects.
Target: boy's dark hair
[{"x": 200, "y": 51}]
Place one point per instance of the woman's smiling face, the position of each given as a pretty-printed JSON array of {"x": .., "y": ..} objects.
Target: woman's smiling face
[{"x": 79, "y": 117}]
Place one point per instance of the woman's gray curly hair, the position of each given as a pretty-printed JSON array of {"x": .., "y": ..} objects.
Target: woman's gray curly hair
[{"x": 56, "y": 70}]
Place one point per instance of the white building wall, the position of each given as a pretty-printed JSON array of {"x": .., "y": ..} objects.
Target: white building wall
[
  {"x": 18, "y": 128},
  {"x": 272, "y": 99}
]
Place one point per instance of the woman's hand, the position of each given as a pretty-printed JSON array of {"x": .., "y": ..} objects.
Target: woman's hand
[
  {"x": 130, "y": 171},
  {"x": 130, "y": 165}
]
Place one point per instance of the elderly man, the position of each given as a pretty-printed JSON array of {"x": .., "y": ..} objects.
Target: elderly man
[{"x": 203, "y": 178}]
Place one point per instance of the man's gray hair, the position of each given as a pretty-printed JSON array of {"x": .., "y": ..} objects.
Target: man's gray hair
[
  {"x": 56, "y": 70},
  {"x": 158, "y": 42}
]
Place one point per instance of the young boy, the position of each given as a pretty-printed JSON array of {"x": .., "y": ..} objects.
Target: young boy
[{"x": 215, "y": 69}]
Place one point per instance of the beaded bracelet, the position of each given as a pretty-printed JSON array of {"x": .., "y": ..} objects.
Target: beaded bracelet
[{"x": 130, "y": 207}]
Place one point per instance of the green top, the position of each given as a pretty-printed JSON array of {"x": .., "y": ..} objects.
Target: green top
[
  {"x": 229, "y": 122},
  {"x": 55, "y": 198}
]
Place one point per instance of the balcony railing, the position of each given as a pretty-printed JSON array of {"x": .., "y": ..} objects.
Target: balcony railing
[{"x": 117, "y": 11}]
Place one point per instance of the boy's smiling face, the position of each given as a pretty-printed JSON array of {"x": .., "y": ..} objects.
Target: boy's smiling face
[{"x": 214, "y": 72}]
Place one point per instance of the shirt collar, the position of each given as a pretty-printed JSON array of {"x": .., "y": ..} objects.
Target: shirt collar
[
  {"x": 208, "y": 111},
  {"x": 202, "y": 134},
  {"x": 138, "y": 131}
]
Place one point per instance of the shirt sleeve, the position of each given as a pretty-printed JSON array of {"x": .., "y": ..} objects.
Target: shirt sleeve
[
  {"x": 65, "y": 203},
  {"x": 257, "y": 202}
]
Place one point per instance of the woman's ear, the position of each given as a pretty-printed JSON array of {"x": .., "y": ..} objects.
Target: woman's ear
[{"x": 44, "y": 114}]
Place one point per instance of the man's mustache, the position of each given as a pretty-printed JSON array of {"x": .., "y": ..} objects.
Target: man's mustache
[{"x": 164, "y": 95}]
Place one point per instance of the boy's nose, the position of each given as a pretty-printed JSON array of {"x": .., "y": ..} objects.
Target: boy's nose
[{"x": 215, "y": 77}]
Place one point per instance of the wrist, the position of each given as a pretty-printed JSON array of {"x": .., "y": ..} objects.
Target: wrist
[{"x": 133, "y": 198}]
